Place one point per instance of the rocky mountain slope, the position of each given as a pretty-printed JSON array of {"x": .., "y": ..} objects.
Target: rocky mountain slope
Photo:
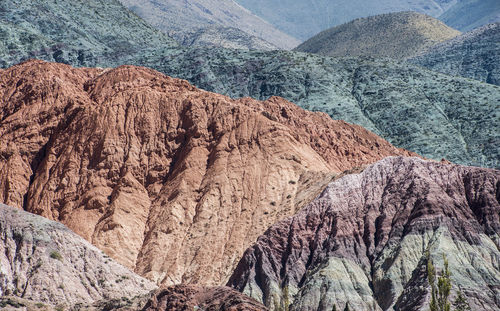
[
  {"x": 44, "y": 261},
  {"x": 218, "y": 36},
  {"x": 185, "y": 297},
  {"x": 364, "y": 241},
  {"x": 82, "y": 33},
  {"x": 395, "y": 35},
  {"x": 171, "y": 181},
  {"x": 432, "y": 114},
  {"x": 426, "y": 112},
  {"x": 475, "y": 55},
  {"x": 304, "y": 19},
  {"x": 466, "y": 15},
  {"x": 183, "y": 19}
]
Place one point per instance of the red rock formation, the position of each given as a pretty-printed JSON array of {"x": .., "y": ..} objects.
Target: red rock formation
[
  {"x": 170, "y": 180},
  {"x": 184, "y": 297},
  {"x": 364, "y": 240}
]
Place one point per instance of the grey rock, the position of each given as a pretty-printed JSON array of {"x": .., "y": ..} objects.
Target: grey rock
[
  {"x": 475, "y": 55},
  {"x": 306, "y": 18},
  {"x": 426, "y": 112},
  {"x": 44, "y": 261}
]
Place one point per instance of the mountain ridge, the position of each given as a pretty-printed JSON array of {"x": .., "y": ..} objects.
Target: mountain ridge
[
  {"x": 179, "y": 18},
  {"x": 171, "y": 181}
]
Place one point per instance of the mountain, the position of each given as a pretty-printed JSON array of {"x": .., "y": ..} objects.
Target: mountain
[
  {"x": 475, "y": 55},
  {"x": 304, "y": 19},
  {"x": 429, "y": 113},
  {"x": 368, "y": 238},
  {"x": 188, "y": 297},
  {"x": 171, "y": 181},
  {"x": 435, "y": 115},
  {"x": 394, "y": 35},
  {"x": 44, "y": 261},
  {"x": 466, "y": 15},
  {"x": 226, "y": 37},
  {"x": 83, "y": 33},
  {"x": 184, "y": 19}
]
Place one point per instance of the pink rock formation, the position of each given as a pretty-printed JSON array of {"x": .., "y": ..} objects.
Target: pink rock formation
[{"x": 365, "y": 239}]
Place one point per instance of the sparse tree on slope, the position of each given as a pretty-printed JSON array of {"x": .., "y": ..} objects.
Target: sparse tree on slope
[
  {"x": 461, "y": 303},
  {"x": 440, "y": 292}
]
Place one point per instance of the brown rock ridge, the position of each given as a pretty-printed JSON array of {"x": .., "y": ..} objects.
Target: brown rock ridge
[
  {"x": 172, "y": 181},
  {"x": 364, "y": 240},
  {"x": 188, "y": 297}
]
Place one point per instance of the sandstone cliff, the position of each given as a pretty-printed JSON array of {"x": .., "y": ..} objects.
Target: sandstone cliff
[
  {"x": 44, "y": 261},
  {"x": 364, "y": 240},
  {"x": 171, "y": 181}
]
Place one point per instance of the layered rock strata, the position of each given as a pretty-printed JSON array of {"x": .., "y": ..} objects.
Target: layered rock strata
[{"x": 366, "y": 239}]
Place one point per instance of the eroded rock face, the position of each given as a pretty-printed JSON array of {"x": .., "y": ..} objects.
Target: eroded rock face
[
  {"x": 363, "y": 241},
  {"x": 185, "y": 297},
  {"x": 44, "y": 261},
  {"x": 171, "y": 181}
]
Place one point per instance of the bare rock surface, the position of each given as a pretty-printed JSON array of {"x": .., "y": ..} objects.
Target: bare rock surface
[
  {"x": 43, "y": 261},
  {"x": 364, "y": 241},
  {"x": 171, "y": 181},
  {"x": 185, "y": 297}
]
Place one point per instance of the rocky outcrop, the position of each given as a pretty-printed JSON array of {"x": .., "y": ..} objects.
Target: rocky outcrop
[
  {"x": 364, "y": 241},
  {"x": 185, "y": 297},
  {"x": 171, "y": 181},
  {"x": 185, "y": 20},
  {"x": 44, "y": 261},
  {"x": 475, "y": 55},
  {"x": 394, "y": 35}
]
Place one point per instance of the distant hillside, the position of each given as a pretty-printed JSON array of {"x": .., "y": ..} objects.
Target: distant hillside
[
  {"x": 219, "y": 36},
  {"x": 475, "y": 54},
  {"x": 469, "y": 14},
  {"x": 182, "y": 19},
  {"x": 83, "y": 32},
  {"x": 305, "y": 18},
  {"x": 394, "y": 35}
]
